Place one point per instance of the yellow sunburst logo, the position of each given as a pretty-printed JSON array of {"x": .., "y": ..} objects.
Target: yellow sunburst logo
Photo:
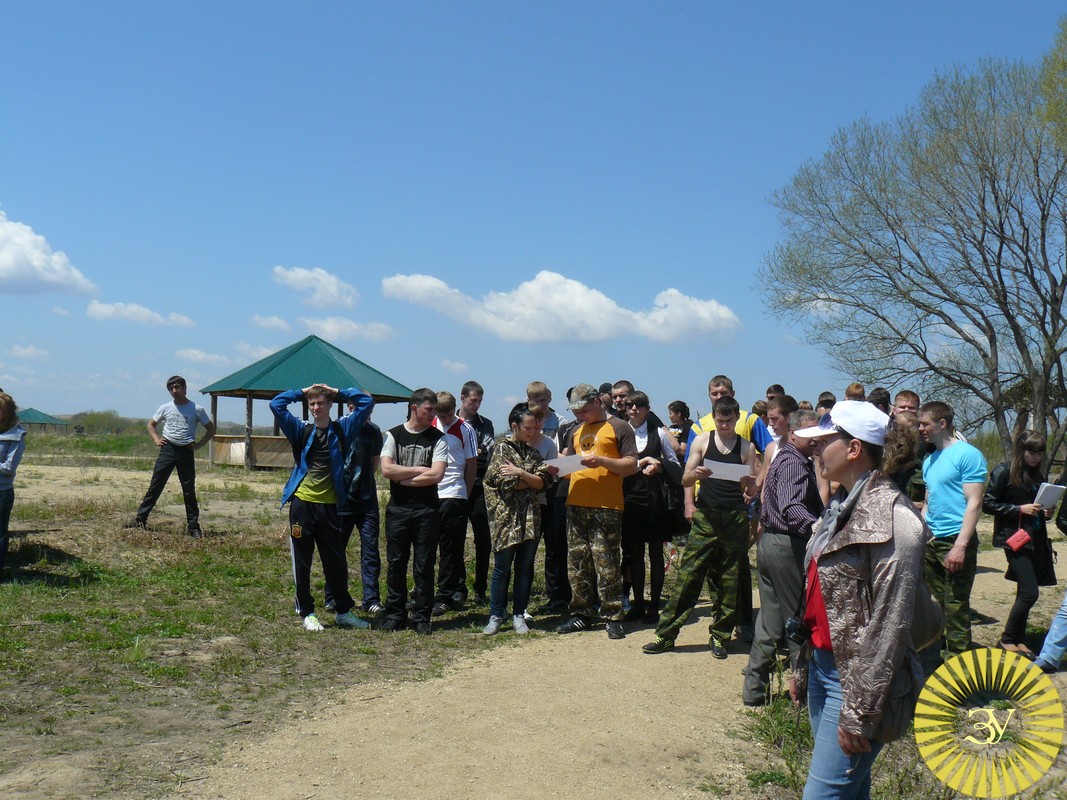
[{"x": 989, "y": 723}]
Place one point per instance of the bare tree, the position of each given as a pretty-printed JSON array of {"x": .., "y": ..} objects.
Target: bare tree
[{"x": 928, "y": 251}]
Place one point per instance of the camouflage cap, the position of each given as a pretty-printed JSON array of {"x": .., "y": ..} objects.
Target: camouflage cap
[{"x": 581, "y": 395}]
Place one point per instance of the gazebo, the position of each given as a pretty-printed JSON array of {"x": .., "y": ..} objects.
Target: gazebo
[
  {"x": 311, "y": 360},
  {"x": 34, "y": 420}
]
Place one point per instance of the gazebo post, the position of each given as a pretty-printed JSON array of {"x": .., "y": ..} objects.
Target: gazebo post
[
  {"x": 250, "y": 461},
  {"x": 215, "y": 419}
]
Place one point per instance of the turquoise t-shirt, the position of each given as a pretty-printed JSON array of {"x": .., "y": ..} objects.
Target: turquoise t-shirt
[{"x": 945, "y": 472}]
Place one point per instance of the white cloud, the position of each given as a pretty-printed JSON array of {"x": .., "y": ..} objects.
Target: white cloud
[
  {"x": 61, "y": 312},
  {"x": 29, "y": 352},
  {"x": 326, "y": 290},
  {"x": 29, "y": 266},
  {"x": 252, "y": 351},
  {"x": 134, "y": 312},
  {"x": 457, "y": 367},
  {"x": 343, "y": 328},
  {"x": 270, "y": 323},
  {"x": 554, "y": 308},
  {"x": 195, "y": 356}
]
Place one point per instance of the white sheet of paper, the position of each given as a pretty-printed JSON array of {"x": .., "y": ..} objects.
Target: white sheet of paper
[
  {"x": 727, "y": 472},
  {"x": 566, "y": 464},
  {"x": 1049, "y": 494}
]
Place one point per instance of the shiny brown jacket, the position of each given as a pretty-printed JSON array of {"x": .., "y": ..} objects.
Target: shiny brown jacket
[{"x": 870, "y": 572}]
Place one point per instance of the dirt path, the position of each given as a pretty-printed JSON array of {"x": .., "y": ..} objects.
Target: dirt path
[{"x": 577, "y": 716}]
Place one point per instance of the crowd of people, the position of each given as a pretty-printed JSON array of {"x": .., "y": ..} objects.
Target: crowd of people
[{"x": 863, "y": 513}]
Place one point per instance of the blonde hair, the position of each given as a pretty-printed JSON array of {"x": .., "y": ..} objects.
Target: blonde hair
[{"x": 446, "y": 403}]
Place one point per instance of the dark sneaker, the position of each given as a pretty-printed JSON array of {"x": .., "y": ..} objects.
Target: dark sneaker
[
  {"x": 658, "y": 645},
  {"x": 422, "y": 628},
  {"x": 330, "y": 605},
  {"x": 135, "y": 523},
  {"x": 717, "y": 649},
  {"x": 615, "y": 629},
  {"x": 553, "y": 607},
  {"x": 439, "y": 609},
  {"x": 393, "y": 625},
  {"x": 650, "y": 618},
  {"x": 459, "y": 599},
  {"x": 374, "y": 608},
  {"x": 746, "y": 633},
  {"x": 635, "y": 613},
  {"x": 196, "y": 533},
  {"x": 573, "y": 625},
  {"x": 481, "y": 598}
]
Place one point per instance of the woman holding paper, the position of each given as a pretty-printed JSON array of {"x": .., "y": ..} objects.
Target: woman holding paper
[{"x": 1019, "y": 527}]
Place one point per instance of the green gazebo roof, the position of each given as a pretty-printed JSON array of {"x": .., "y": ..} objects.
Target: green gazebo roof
[
  {"x": 311, "y": 360},
  {"x": 31, "y": 416}
]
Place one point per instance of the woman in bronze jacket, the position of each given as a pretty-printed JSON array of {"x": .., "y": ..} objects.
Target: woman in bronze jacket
[{"x": 864, "y": 579}]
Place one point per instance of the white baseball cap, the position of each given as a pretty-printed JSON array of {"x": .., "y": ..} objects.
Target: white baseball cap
[{"x": 860, "y": 419}]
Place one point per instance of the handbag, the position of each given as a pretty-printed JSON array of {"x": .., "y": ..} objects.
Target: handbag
[{"x": 1018, "y": 540}]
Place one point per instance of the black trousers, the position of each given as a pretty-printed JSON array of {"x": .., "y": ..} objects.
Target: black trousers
[
  {"x": 479, "y": 519},
  {"x": 451, "y": 571},
  {"x": 171, "y": 456},
  {"x": 314, "y": 525},
  {"x": 410, "y": 534},
  {"x": 554, "y": 533}
]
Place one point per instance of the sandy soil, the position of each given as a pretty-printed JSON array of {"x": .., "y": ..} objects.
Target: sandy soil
[{"x": 552, "y": 716}]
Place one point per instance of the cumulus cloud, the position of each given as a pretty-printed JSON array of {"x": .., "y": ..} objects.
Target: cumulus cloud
[
  {"x": 554, "y": 308},
  {"x": 134, "y": 312},
  {"x": 253, "y": 351},
  {"x": 343, "y": 328},
  {"x": 60, "y": 312},
  {"x": 324, "y": 290},
  {"x": 458, "y": 367},
  {"x": 191, "y": 354},
  {"x": 28, "y": 264},
  {"x": 270, "y": 323},
  {"x": 28, "y": 352}
]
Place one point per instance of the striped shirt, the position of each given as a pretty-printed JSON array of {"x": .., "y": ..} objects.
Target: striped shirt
[{"x": 791, "y": 502}]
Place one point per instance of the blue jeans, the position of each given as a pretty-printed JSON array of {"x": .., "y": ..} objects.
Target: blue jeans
[
  {"x": 7, "y": 500},
  {"x": 522, "y": 556},
  {"x": 832, "y": 773},
  {"x": 370, "y": 560},
  {"x": 1056, "y": 640}
]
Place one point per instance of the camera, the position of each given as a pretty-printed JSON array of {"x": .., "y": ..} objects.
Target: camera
[{"x": 796, "y": 630}]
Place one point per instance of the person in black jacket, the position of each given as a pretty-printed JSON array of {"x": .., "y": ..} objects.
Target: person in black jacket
[{"x": 1009, "y": 498}]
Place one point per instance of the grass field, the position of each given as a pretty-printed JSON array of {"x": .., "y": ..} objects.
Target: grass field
[{"x": 121, "y": 647}]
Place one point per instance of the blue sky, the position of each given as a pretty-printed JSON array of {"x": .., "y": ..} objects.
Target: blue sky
[{"x": 506, "y": 191}]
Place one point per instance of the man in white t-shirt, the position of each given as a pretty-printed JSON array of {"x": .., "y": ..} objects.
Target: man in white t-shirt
[
  {"x": 453, "y": 491},
  {"x": 176, "y": 443}
]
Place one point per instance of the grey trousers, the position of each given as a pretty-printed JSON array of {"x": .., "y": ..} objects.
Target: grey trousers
[{"x": 780, "y": 578}]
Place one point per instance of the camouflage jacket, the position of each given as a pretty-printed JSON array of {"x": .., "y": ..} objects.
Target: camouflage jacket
[
  {"x": 514, "y": 512},
  {"x": 870, "y": 573}
]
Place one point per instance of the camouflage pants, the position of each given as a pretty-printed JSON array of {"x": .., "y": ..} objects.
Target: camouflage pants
[
  {"x": 952, "y": 590},
  {"x": 594, "y": 561},
  {"x": 716, "y": 541}
]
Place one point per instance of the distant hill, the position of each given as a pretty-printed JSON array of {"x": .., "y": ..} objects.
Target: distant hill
[{"x": 96, "y": 423}]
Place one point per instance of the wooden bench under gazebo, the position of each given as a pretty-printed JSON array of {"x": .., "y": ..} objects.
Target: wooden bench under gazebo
[{"x": 311, "y": 360}]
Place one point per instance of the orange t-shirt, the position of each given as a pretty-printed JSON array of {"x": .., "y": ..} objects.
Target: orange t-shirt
[{"x": 600, "y": 487}]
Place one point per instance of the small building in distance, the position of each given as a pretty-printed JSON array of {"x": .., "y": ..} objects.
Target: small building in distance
[{"x": 33, "y": 420}]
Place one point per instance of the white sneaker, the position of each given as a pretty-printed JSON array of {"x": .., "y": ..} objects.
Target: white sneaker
[
  {"x": 526, "y": 615},
  {"x": 518, "y": 622},
  {"x": 350, "y": 620},
  {"x": 493, "y": 626},
  {"x": 311, "y": 623}
]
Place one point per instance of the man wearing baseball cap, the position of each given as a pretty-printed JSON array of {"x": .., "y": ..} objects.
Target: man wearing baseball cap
[{"x": 594, "y": 511}]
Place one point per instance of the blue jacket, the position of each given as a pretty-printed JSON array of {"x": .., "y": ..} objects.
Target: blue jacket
[
  {"x": 12, "y": 446},
  {"x": 293, "y": 428}
]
